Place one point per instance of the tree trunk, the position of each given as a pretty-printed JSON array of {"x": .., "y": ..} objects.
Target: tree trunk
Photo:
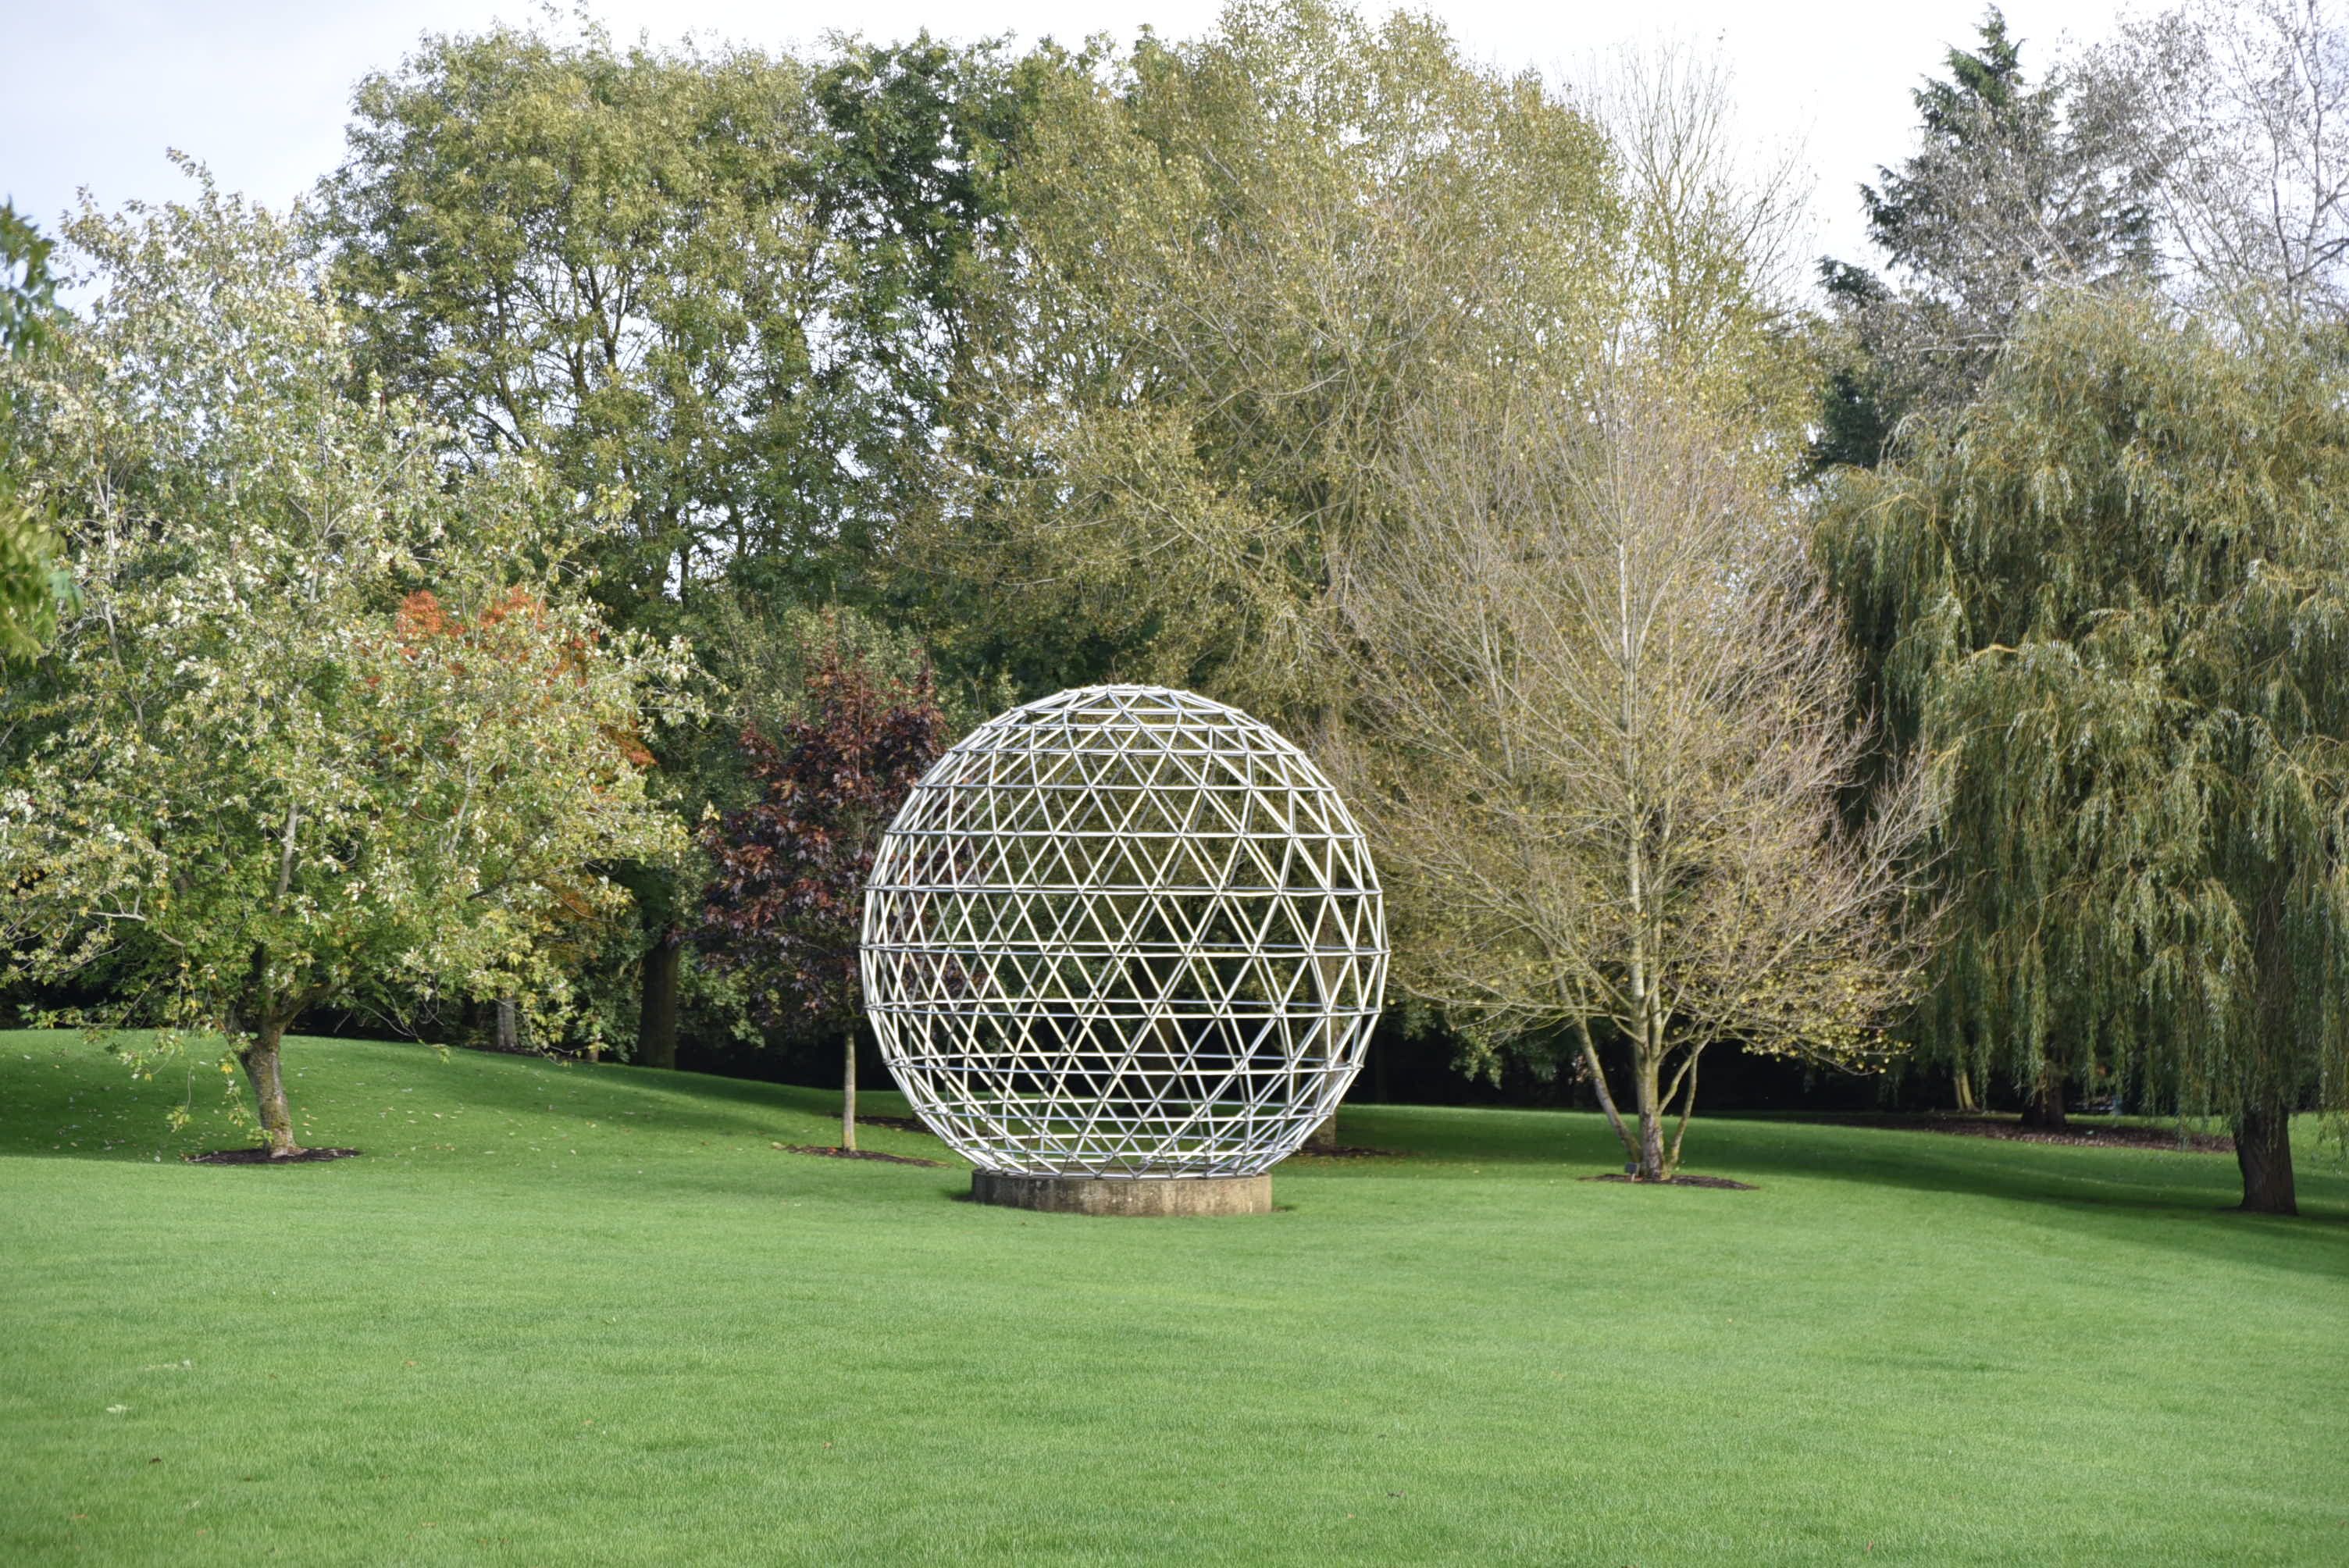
[
  {"x": 1595, "y": 1074},
  {"x": 1324, "y": 1134},
  {"x": 2045, "y": 1111},
  {"x": 1965, "y": 1084},
  {"x": 261, "y": 1067},
  {"x": 657, "y": 1015},
  {"x": 1650, "y": 1166},
  {"x": 848, "y": 1089},
  {"x": 2264, "y": 1151},
  {"x": 509, "y": 1037}
]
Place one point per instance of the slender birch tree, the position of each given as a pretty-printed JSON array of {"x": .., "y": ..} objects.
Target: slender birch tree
[{"x": 1604, "y": 730}]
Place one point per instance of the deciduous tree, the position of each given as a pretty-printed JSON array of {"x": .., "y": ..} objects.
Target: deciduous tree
[
  {"x": 333, "y": 721},
  {"x": 33, "y": 582},
  {"x": 719, "y": 283},
  {"x": 2245, "y": 108},
  {"x": 2112, "y": 599},
  {"x": 1604, "y": 729},
  {"x": 786, "y": 900},
  {"x": 1231, "y": 266}
]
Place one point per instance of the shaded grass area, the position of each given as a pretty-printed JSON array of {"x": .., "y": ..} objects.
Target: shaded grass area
[{"x": 591, "y": 1315}]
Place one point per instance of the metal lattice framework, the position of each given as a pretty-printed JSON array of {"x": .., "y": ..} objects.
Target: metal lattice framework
[{"x": 1125, "y": 931}]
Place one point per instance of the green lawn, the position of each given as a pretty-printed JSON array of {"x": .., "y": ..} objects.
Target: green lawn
[{"x": 565, "y": 1314}]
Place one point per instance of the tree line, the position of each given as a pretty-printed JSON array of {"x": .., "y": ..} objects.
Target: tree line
[{"x": 524, "y": 577}]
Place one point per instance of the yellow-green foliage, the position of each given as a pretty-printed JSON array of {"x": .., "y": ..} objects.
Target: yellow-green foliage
[{"x": 1239, "y": 264}]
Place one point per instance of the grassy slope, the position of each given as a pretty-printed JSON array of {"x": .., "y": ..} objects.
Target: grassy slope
[{"x": 570, "y": 1315}]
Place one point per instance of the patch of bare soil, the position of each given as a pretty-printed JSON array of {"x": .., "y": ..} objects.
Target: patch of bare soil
[
  {"x": 262, "y": 1157},
  {"x": 829, "y": 1152},
  {"x": 1720, "y": 1182},
  {"x": 2077, "y": 1137},
  {"x": 1348, "y": 1151}
]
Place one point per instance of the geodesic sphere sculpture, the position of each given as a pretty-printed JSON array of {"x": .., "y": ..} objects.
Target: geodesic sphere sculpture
[{"x": 1124, "y": 930}]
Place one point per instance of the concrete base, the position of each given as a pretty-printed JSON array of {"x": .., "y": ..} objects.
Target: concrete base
[{"x": 1170, "y": 1196}]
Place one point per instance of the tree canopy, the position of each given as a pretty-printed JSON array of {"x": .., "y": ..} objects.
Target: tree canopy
[
  {"x": 334, "y": 720},
  {"x": 1232, "y": 267},
  {"x": 33, "y": 583},
  {"x": 2112, "y": 599},
  {"x": 2240, "y": 103},
  {"x": 2017, "y": 185},
  {"x": 715, "y": 283}
]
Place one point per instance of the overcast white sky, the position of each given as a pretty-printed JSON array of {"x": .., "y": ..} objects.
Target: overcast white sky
[{"x": 97, "y": 90}]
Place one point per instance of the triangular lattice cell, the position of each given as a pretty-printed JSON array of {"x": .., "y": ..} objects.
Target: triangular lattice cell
[{"x": 1125, "y": 931}]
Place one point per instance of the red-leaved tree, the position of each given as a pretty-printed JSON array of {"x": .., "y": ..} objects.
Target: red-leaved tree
[{"x": 783, "y": 907}]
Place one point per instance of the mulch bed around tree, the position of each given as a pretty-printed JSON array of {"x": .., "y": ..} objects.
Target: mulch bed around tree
[
  {"x": 1720, "y": 1182},
  {"x": 893, "y": 1123},
  {"x": 832, "y": 1153},
  {"x": 2077, "y": 1137},
  {"x": 262, "y": 1157}
]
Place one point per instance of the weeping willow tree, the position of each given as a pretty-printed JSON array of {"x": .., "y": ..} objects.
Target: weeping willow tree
[{"x": 2112, "y": 598}]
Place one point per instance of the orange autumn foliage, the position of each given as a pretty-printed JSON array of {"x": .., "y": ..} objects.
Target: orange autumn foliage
[{"x": 421, "y": 620}]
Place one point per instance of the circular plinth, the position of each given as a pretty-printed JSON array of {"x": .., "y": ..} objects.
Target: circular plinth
[{"x": 1137, "y": 1195}]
